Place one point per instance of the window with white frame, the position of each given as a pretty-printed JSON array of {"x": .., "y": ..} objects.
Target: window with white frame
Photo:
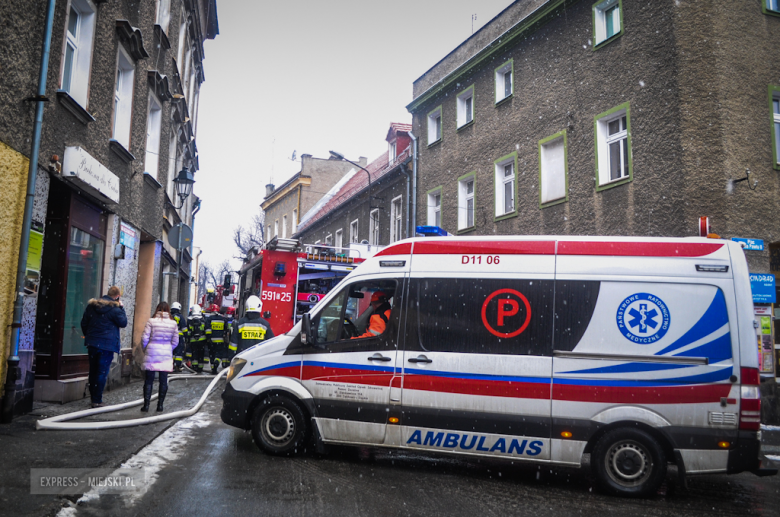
[
  {"x": 153, "y": 126},
  {"x": 173, "y": 149},
  {"x": 294, "y": 221},
  {"x": 353, "y": 232},
  {"x": 77, "y": 58},
  {"x": 339, "y": 239},
  {"x": 504, "y": 83},
  {"x": 434, "y": 208},
  {"x": 773, "y": 5},
  {"x": 391, "y": 153},
  {"x": 466, "y": 202},
  {"x": 465, "y": 104},
  {"x": 268, "y": 235},
  {"x": 505, "y": 185},
  {"x": 276, "y": 228},
  {"x": 123, "y": 98},
  {"x": 606, "y": 20},
  {"x": 613, "y": 145},
  {"x": 182, "y": 48},
  {"x": 373, "y": 227},
  {"x": 396, "y": 223},
  {"x": 776, "y": 123},
  {"x": 434, "y": 125},
  {"x": 163, "y": 14},
  {"x": 284, "y": 226},
  {"x": 552, "y": 168},
  {"x": 329, "y": 239}
]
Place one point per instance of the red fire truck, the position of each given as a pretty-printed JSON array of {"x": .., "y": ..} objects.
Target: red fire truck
[{"x": 290, "y": 278}]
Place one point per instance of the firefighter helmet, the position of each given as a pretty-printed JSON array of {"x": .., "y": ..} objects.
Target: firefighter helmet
[
  {"x": 231, "y": 311},
  {"x": 253, "y": 304},
  {"x": 195, "y": 310},
  {"x": 176, "y": 306},
  {"x": 213, "y": 308}
]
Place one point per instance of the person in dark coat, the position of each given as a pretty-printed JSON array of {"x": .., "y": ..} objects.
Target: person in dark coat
[{"x": 100, "y": 324}]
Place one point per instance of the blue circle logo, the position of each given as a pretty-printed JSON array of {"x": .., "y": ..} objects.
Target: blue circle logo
[{"x": 643, "y": 318}]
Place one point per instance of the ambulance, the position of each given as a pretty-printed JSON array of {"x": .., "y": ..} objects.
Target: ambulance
[{"x": 639, "y": 352}]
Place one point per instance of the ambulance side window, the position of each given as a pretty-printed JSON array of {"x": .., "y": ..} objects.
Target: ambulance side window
[
  {"x": 327, "y": 322},
  {"x": 481, "y": 316}
]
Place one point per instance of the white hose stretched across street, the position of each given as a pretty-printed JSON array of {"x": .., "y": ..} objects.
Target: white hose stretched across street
[{"x": 59, "y": 422}]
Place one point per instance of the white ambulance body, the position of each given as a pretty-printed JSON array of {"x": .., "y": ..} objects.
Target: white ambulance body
[{"x": 639, "y": 351}]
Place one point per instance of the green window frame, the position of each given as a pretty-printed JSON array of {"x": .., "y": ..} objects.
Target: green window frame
[
  {"x": 505, "y": 86},
  {"x": 435, "y": 125},
  {"x": 546, "y": 156},
  {"x": 610, "y": 128},
  {"x": 430, "y": 216},
  {"x": 500, "y": 180},
  {"x": 607, "y": 22},
  {"x": 774, "y": 113},
  {"x": 465, "y": 107},
  {"x": 770, "y": 7},
  {"x": 464, "y": 208}
]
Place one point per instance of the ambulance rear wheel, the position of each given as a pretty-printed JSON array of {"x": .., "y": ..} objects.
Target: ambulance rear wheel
[
  {"x": 279, "y": 426},
  {"x": 628, "y": 462}
]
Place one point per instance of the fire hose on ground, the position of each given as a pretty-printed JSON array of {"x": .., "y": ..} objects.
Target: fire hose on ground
[{"x": 59, "y": 422}]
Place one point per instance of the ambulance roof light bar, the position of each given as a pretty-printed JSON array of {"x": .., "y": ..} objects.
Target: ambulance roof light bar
[
  {"x": 432, "y": 231},
  {"x": 277, "y": 244}
]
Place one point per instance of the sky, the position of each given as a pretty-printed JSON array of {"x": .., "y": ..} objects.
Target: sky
[{"x": 308, "y": 76}]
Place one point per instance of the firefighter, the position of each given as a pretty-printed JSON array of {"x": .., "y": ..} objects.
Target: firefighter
[
  {"x": 181, "y": 321},
  {"x": 230, "y": 314},
  {"x": 251, "y": 329},
  {"x": 378, "y": 321},
  {"x": 217, "y": 332},
  {"x": 197, "y": 333}
]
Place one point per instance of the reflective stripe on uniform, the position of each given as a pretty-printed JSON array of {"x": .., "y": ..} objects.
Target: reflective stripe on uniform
[
  {"x": 252, "y": 331},
  {"x": 232, "y": 347},
  {"x": 217, "y": 340},
  {"x": 375, "y": 332}
]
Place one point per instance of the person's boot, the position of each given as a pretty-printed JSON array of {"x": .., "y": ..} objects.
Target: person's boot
[
  {"x": 161, "y": 397},
  {"x": 147, "y": 398}
]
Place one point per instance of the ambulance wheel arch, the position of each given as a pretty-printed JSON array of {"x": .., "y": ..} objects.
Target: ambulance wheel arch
[{"x": 629, "y": 462}]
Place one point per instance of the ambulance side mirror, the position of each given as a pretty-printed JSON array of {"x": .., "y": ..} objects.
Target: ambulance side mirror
[{"x": 307, "y": 336}]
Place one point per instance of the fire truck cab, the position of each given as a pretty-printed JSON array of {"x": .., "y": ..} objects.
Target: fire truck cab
[{"x": 291, "y": 278}]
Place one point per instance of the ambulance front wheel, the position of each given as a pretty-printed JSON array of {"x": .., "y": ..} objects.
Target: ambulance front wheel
[
  {"x": 279, "y": 426},
  {"x": 628, "y": 462}
]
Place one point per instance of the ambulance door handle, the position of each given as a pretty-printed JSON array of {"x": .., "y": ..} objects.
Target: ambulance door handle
[
  {"x": 379, "y": 357},
  {"x": 420, "y": 359}
]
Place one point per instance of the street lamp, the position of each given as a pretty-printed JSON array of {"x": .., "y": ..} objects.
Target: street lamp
[
  {"x": 340, "y": 156},
  {"x": 183, "y": 181}
]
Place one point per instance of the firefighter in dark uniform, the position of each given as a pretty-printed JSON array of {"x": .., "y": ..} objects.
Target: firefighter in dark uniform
[
  {"x": 251, "y": 329},
  {"x": 197, "y": 334},
  {"x": 217, "y": 332},
  {"x": 181, "y": 321}
]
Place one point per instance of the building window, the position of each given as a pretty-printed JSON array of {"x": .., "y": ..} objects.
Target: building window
[
  {"x": 774, "y": 100},
  {"x": 153, "y": 125},
  {"x": 434, "y": 207},
  {"x": 276, "y": 228},
  {"x": 339, "y": 238},
  {"x": 269, "y": 235},
  {"x": 466, "y": 201},
  {"x": 504, "y": 81},
  {"x": 392, "y": 152},
  {"x": 284, "y": 227},
  {"x": 434, "y": 126},
  {"x": 466, "y": 106},
  {"x": 396, "y": 214},
  {"x": 163, "y": 14},
  {"x": 553, "y": 170},
  {"x": 353, "y": 232},
  {"x": 123, "y": 99},
  {"x": 772, "y": 7},
  {"x": 329, "y": 239},
  {"x": 505, "y": 184},
  {"x": 607, "y": 21},
  {"x": 613, "y": 147},
  {"x": 294, "y": 221},
  {"x": 373, "y": 227},
  {"x": 77, "y": 60}
]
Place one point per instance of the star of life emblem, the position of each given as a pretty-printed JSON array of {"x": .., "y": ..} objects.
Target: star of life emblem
[{"x": 643, "y": 318}]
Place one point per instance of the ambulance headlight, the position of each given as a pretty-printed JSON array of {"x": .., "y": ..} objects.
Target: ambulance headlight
[{"x": 236, "y": 365}]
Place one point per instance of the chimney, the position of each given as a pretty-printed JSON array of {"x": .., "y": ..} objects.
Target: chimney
[
  {"x": 363, "y": 161},
  {"x": 269, "y": 189}
]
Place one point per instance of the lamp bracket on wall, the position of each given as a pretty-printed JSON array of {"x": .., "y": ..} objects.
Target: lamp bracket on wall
[{"x": 746, "y": 178}]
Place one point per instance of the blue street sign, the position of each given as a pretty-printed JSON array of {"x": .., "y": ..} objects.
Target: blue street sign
[
  {"x": 750, "y": 244},
  {"x": 763, "y": 287}
]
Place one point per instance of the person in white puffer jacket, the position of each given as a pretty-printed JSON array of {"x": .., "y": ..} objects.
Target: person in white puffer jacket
[{"x": 161, "y": 336}]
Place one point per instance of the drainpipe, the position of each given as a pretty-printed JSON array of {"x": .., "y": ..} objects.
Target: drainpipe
[
  {"x": 195, "y": 210},
  {"x": 414, "y": 181},
  {"x": 405, "y": 172},
  {"x": 13, "y": 372}
]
